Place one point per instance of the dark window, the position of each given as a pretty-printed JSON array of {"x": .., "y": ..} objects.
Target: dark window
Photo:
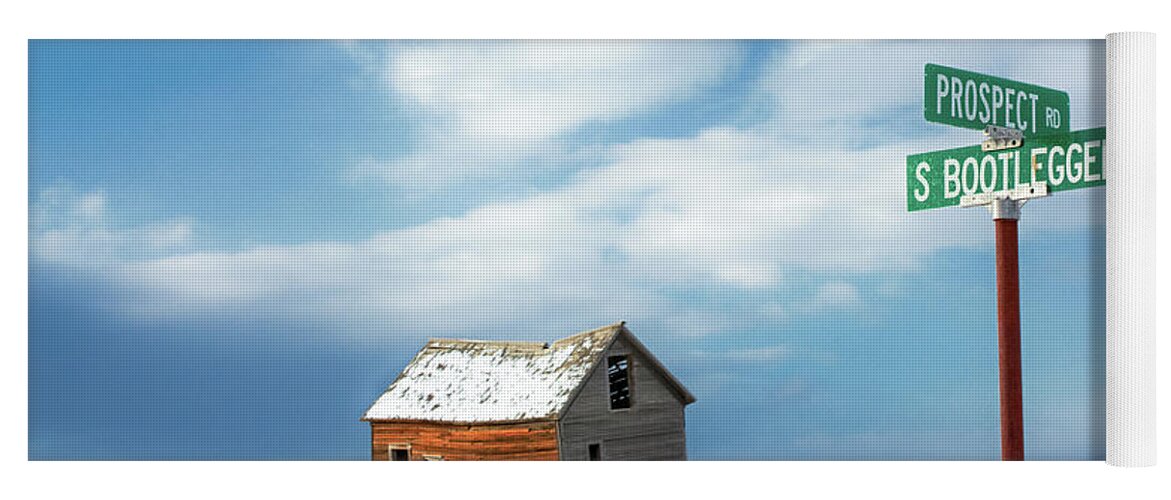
[
  {"x": 400, "y": 455},
  {"x": 619, "y": 369},
  {"x": 595, "y": 452}
]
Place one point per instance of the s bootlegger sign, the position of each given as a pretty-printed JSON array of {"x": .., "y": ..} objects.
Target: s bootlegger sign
[{"x": 1063, "y": 162}]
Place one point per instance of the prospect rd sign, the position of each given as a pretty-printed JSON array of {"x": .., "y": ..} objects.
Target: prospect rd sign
[
  {"x": 972, "y": 100},
  {"x": 1062, "y": 162}
]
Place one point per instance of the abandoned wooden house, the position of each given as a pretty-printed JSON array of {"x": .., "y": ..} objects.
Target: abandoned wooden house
[{"x": 597, "y": 395}]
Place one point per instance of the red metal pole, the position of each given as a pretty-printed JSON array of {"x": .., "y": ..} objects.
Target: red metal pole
[{"x": 1008, "y": 315}]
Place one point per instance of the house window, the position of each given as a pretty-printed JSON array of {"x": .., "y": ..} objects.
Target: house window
[
  {"x": 595, "y": 452},
  {"x": 400, "y": 453},
  {"x": 618, "y": 367}
]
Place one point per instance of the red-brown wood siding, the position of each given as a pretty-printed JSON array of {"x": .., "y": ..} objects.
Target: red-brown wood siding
[{"x": 523, "y": 441}]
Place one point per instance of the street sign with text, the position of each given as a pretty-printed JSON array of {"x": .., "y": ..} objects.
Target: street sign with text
[
  {"x": 1061, "y": 162},
  {"x": 972, "y": 100},
  {"x": 1028, "y": 153}
]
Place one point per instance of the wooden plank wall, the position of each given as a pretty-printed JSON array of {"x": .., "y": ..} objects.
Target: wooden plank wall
[
  {"x": 653, "y": 428},
  {"x": 526, "y": 441}
]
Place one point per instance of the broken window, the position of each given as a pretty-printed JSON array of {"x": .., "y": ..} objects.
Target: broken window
[
  {"x": 595, "y": 452},
  {"x": 618, "y": 368},
  {"x": 400, "y": 454}
]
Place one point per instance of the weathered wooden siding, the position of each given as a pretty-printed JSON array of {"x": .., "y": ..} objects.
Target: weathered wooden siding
[
  {"x": 527, "y": 441},
  {"x": 651, "y": 429}
]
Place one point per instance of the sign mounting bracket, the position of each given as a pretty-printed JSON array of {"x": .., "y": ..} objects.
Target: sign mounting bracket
[{"x": 1002, "y": 138}]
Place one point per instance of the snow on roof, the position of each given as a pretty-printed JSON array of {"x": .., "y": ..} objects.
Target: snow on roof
[{"x": 469, "y": 381}]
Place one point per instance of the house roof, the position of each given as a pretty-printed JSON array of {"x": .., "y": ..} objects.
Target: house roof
[{"x": 475, "y": 381}]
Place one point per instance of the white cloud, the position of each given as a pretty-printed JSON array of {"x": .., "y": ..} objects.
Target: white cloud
[
  {"x": 91, "y": 206},
  {"x": 169, "y": 236},
  {"x": 828, "y": 91},
  {"x": 531, "y": 90},
  {"x": 740, "y": 208},
  {"x": 736, "y": 209},
  {"x": 72, "y": 229},
  {"x": 489, "y": 105},
  {"x": 747, "y": 212},
  {"x": 498, "y": 264},
  {"x": 832, "y": 296}
]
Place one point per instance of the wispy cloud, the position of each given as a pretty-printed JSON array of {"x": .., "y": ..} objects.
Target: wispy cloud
[
  {"x": 851, "y": 94},
  {"x": 501, "y": 109},
  {"x": 74, "y": 230},
  {"x": 833, "y": 296},
  {"x": 615, "y": 243},
  {"x": 741, "y": 210}
]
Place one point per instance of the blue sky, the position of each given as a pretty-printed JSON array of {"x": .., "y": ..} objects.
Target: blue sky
[{"x": 235, "y": 246}]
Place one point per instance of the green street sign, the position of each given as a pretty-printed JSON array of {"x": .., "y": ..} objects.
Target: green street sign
[
  {"x": 1062, "y": 162},
  {"x": 972, "y": 100}
]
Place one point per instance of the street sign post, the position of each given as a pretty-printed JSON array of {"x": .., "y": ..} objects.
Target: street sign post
[
  {"x": 1059, "y": 163},
  {"x": 1008, "y": 330},
  {"x": 971, "y": 100},
  {"x": 1028, "y": 154}
]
